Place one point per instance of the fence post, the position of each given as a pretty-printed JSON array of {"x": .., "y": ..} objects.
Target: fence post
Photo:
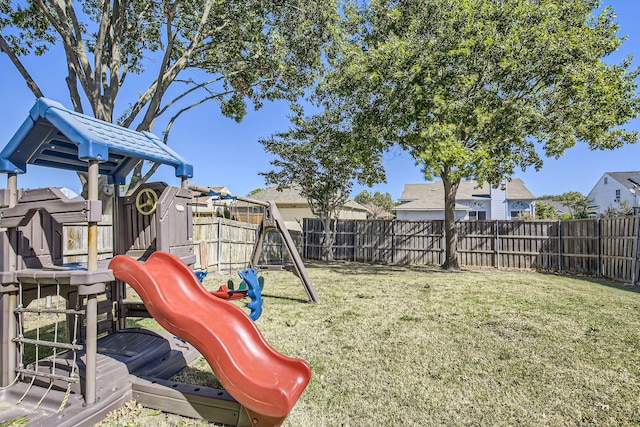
[
  {"x": 497, "y": 250},
  {"x": 443, "y": 243},
  {"x": 353, "y": 240},
  {"x": 303, "y": 236},
  {"x": 393, "y": 241},
  {"x": 219, "y": 243},
  {"x": 599, "y": 268},
  {"x": 559, "y": 245},
  {"x": 635, "y": 254}
]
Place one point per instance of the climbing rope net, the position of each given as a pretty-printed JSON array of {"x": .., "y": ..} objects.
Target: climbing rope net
[{"x": 40, "y": 344}]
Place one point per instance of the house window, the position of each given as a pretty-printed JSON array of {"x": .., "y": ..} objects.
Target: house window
[
  {"x": 606, "y": 180},
  {"x": 518, "y": 209},
  {"x": 477, "y": 215},
  {"x": 618, "y": 195},
  {"x": 477, "y": 211}
]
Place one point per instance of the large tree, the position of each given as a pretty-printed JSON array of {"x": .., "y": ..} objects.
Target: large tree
[
  {"x": 318, "y": 158},
  {"x": 475, "y": 88},
  {"x": 188, "y": 52}
]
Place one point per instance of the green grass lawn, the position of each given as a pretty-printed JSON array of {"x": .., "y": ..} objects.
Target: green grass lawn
[{"x": 414, "y": 346}]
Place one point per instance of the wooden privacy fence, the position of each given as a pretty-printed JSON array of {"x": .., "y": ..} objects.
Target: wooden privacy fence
[
  {"x": 220, "y": 244},
  {"x": 600, "y": 247},
  {"x": 226, "y": 245},
  {"x": 75, "y": 238}
]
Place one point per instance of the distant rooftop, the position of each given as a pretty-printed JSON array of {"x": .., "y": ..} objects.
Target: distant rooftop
[
  {"x": 292, "y": 196},
  {"x": 630, "y": 179}
]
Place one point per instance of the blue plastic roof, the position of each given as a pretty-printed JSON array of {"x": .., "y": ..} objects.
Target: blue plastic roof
[{"x": 57, "y": 137}]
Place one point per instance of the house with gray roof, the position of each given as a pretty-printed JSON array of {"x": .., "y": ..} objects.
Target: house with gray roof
[
  {"x": 425, "y": 201},
  {"x": 294, "y": 207},
  {"x": 612, "y": 189}
]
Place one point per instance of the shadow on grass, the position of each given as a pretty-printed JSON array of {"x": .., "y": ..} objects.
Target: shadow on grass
[
  {"x": 285, "y": 298},
  {"x": 350, "y": 267},
  {"x": 597, "y": 281},
  {"x": 201, "y": 374},
  {"x": 143, "y": 322}
]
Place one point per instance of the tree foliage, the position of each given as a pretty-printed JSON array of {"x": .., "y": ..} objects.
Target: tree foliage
[
  {"x": 186, "y": 52},
  {"x": 255, "y": 191},
  {"x": 623, "y": 209},
  {"x": 473, "y": 88},
  {"x": 379, "y": 205},
  {"x": 545, "y": 210},
  {"x": 576, "y": 203},
  {"x": 319, "y": 159}
]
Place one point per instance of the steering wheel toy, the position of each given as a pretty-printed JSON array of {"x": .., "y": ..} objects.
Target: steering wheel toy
[{"x": 146, "y": 201}]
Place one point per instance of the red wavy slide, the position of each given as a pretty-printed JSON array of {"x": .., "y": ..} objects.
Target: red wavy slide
[{"x": 264, "y": 381}]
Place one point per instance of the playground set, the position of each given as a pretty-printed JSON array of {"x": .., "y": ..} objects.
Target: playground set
[{"x": 68, "y": 356}]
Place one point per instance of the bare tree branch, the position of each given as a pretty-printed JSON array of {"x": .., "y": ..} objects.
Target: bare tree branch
[
  {"x": 72, "y": 84},
  {"x": 185, "y": 109},
  {"x": 111, "y": 90},
  {"x": 72, "y": 53},
  {"x": 168, "y": 73},
  {"x": 80, "y": 55},
  {"x": 191, "y": 90},
  {"x": 156, "y": 98},
  {"x": 100, "y": 42},
  {"x": 4, "y": 46}
]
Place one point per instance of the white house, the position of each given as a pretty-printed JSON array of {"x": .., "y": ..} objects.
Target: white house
[
  {"x": 473, "y": 201},
  {"x": 612, "y": 189}
]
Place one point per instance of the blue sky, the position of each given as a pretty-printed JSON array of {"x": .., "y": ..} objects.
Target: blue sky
[{"x": 224, "y": 152}]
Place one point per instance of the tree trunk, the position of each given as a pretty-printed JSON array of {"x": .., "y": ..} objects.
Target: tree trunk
[
  {"x": 451, "y": 234},
  {"x": 328, "y": 239}
]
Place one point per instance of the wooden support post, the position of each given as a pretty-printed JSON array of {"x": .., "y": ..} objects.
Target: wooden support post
[
  {"x": 91, "y": 341},
  {"x": 10, "y": 299},
  {"x": 273, "y": 219},
  {"x": 92, "y": 194},
  {"x": 118, "y": 290},
  {"x": 219, "y": 244}
]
